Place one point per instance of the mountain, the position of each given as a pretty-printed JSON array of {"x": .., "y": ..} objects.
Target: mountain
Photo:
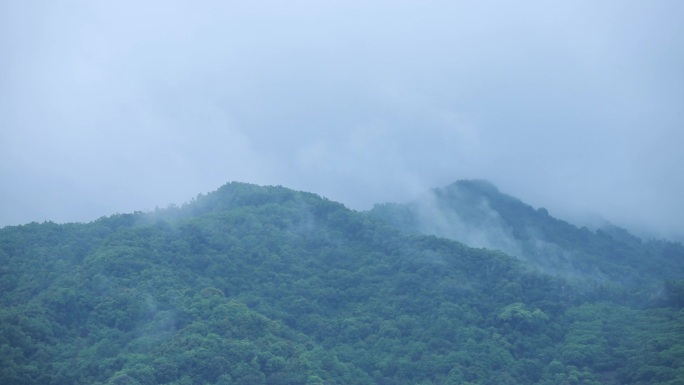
[
  {"x": 475, "y": 212},
  {"x": 266, "y": 285}
]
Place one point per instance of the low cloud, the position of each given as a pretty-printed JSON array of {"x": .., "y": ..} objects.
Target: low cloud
[{"x": 574, "y": 106}]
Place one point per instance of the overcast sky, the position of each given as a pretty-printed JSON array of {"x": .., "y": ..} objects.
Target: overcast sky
[{"x": 116, "y": 106}]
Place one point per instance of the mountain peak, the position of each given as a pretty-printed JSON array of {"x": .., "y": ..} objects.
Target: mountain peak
[
  {"x": 476, "y": 213},
  {"x": 481, "y": 185}
]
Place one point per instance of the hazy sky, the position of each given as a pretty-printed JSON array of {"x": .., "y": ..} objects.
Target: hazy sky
[{"x": 116, "y": 106}]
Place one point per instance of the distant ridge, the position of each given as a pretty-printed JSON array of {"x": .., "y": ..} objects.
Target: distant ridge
[{"x": 476, "y": 213}]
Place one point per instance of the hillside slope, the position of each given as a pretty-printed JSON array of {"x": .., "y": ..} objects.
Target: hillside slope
[
  {"x": 265, "y": 285},
  {"x": 478, "y": 214}
]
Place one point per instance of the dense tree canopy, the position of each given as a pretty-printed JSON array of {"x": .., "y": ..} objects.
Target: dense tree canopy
[
  {"x": 265, "y": 285},
  {"x": 475, "y": 212}
]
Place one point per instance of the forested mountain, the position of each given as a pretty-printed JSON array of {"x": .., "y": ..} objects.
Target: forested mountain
[
  {"x": 265, "y": 285},
  {"x": 475, "y": 212}
]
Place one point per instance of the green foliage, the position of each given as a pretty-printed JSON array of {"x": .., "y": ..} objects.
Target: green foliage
[
  {"x": 600, "y": 260},
  {"x": 674, "y": 290},
  {"x": 519, "y": 314},
  {"x": 264, "y": 285}
]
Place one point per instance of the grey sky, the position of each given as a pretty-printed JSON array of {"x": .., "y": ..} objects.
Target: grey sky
[{"x": 117, "y": 106}]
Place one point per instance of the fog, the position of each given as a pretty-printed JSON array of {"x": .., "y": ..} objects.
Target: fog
[
  {"x": 576, "y": 106},
  {"x": 472, "y": 221}
]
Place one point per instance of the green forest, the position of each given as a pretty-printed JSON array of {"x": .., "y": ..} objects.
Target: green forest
[{"x": 267, "y": 285}]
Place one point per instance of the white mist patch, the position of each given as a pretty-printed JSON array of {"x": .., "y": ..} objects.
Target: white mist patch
[
  {"x": 469, "y": 213},
  {"x": 488, "y": 231}
]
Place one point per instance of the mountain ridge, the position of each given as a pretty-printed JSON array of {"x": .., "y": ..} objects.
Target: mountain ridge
[
  {"x": 475, "y": 212},
  {"x": 267, "y": 285}
]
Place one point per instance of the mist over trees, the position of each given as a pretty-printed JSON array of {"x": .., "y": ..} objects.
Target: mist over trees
[
  {"x": 476, "y": 213},
  {"x": 266, "y": 285}
]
